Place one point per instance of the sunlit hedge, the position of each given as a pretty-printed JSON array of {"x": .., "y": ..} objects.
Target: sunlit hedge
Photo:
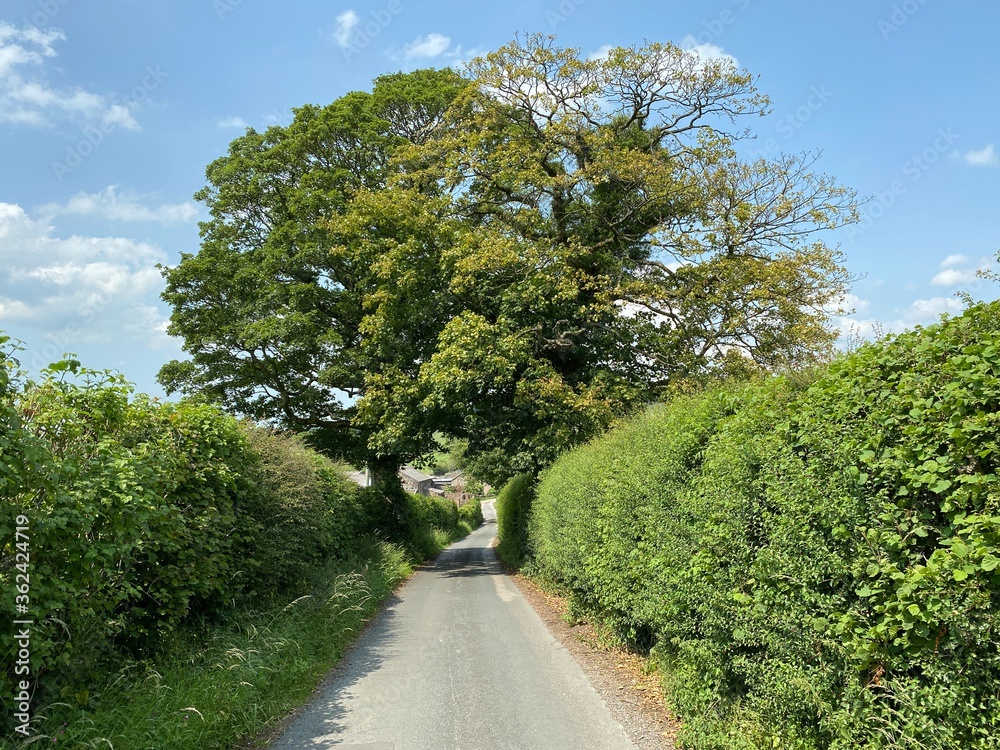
[
  {"x": 132, "y": 519},
  {"x": 815, "y": 564},
  {"x": 143, "y": 517},
  {"x": 513, "y": 509},
  {"x": 471, "y": 513},
  {"x": 303, "y": 509}
]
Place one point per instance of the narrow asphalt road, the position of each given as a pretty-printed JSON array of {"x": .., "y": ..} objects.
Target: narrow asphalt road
[{"x": 458, "y": 660}]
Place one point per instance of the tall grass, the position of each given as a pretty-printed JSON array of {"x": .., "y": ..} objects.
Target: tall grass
[{"x": 224, "y": 684}]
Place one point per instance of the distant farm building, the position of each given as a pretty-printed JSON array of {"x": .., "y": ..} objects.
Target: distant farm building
[{"x": 451, "y": 485}]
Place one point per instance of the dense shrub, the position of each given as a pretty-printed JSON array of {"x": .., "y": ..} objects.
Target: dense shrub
[
  {"x": 303, "y": 510},
  {"x": 471, "y": 513},
  {"x": 231, "y": 678},
  {"x": 146, "y": 517},
  {"x": 433, "y": 511},
  {"x": 427, "y": 524},
  {"x": 132, "y": 521},
  {"x": 513, "y": 511},
  {"x": 815, "y": 565},
  {"x": 20, "y": 455}
]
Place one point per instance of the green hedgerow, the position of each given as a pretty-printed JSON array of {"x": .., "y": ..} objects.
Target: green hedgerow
[
  {"x": 815, "y": 562},
  {"x": 513, "y": 513}
]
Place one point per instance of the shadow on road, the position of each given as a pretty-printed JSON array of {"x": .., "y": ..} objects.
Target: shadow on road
[{"x": 466, "y": 568}]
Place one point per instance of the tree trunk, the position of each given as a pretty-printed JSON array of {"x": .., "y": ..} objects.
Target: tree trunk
[{"x": 384, "y": 472}]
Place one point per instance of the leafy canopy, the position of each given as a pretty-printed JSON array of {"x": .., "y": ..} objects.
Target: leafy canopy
[
  {"x": 270, "y": 316},
  {"x": 515, "y": 257}
]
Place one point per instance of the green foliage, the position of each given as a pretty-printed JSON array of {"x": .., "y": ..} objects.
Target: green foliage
[
  {"x": 150, "y": 520},
  {"x": 814, "y": 564},
  {"x": 132, "y": 516},
  {"x": 471, "y": 514},
  {"x": 607, "y": 521},
  {"x": 609, "y": 186},
  {"x": 220, "y": 686},
  {"x": 19, "y": 453},
  {"x": 433, "y": 511},
  {"x": 514, "y": 507},
  {"x": 448, "y": 456},
  {"x": 450, "y": 255},
  {"x": 271, "y": 307},
  {"x": 303, "y": 510},
  {"x": 429, "y": 523},
  {"x": 497, "y": 468}
]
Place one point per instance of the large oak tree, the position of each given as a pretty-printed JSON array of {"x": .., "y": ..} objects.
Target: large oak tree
[
  {"x": 516, "y": 257},
  {"x": 271, "y": 317},
  {"x": 612, "y": 245}
]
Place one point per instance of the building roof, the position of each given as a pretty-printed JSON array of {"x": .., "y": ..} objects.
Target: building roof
[
  {"x": 414, "y": 475},
  {"x": 445, "y": 479}
]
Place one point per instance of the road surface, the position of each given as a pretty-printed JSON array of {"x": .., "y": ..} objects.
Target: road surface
[{"x": 458, "y": 660}]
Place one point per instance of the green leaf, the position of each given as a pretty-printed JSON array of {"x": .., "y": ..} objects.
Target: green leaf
[{"x": 941, "y": 486}]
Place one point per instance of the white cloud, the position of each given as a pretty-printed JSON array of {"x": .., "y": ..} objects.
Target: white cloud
[
  {"x": 921, "y": 312},
  {"x": 458, "y": 58},
  {"x": 13, "y": 53},
  {"x": 277, "y": 117},
  {"x": 26, "y": 98},
  {"x": 76, "y": 290},
  {"x": 436, "y": 45},
  {"x": 115, "y": 206},
  {"x": 707, "y": 52},
  {"x": 851, "y": 329},
  {"x": 346, "y": 23},
  {"x": 953, "y": 275},
  {"x": 601, "y": 53},
  {"x": 955, "y": 259},
  {"x": 847, "y": 302},
  {"x": 985, "y": 157},
  {"x": 854, "y": 302},
  {"x": 231, "y": 122},
  {"x": 118, "y": 115},
  {"x": 927, "y": 311},
  {"x": 432, "y": 45}
]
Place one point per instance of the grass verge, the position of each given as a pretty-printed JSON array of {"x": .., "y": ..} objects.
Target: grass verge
[{"x": 224, "y": 685}]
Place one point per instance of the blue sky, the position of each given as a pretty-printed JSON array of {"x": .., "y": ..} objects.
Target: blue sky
[{"x": 110, "y": 111}]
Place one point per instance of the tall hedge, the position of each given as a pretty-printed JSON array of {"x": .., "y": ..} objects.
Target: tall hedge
[
  {"x": 144, "y": 517},
  {"x": 513, "y": 511},
  {"x": 132, "y": 522},
  {"x": 816, "y": 565},
  {"x": 303, "y": 510}
]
